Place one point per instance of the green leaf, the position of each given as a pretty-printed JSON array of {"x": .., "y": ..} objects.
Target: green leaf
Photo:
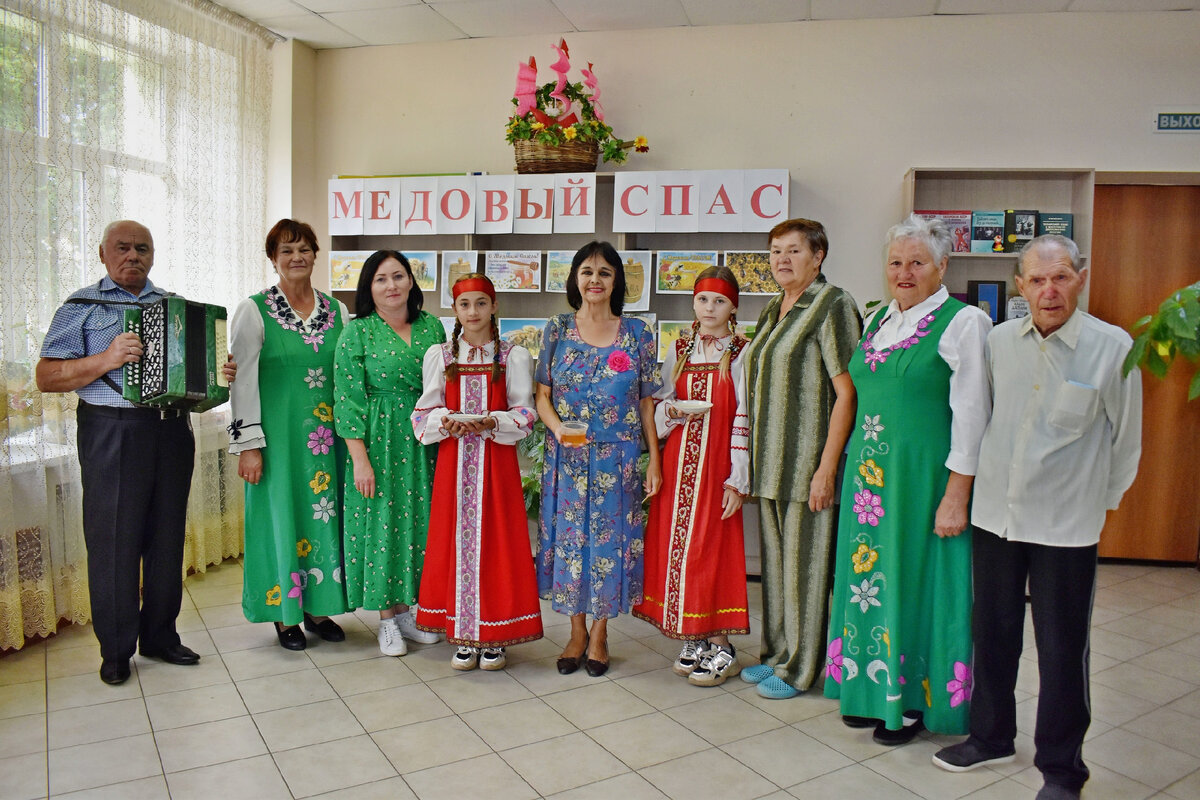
[
  {"x": 1136, "y": 354},
  {"x": 1194, "y": 387},
  {"x": 1177, "y": 323},
  {"x": 1155, "y": 363},
  {"x": 1141, "y": 322}
]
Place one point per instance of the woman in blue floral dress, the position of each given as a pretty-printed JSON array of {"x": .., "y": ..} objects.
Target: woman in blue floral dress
[{"x": 598, "y": 367}]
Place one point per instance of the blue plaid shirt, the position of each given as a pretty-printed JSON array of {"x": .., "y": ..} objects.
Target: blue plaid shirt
[{"x": 84, "y": 329}]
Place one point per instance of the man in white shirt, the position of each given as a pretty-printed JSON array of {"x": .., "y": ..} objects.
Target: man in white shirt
[{"x": 1061, "y": 448}]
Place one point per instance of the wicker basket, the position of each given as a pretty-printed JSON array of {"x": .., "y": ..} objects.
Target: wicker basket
[{"x": 536, "y": 157}]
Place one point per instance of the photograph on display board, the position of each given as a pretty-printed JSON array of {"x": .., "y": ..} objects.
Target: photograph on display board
[
  {"x": 669, "y": 330},
  {"x": 990, "y": 296},
  {"x": 650, "y": 320},
  {"x": 558, "y": 269},
  {"x": 514, "y": 270},
  {"x": 424, "y": 268},
  {"x": 752, "y": 268},
  {"x": 448, "y": 324},
  {"x": 344, "y": 266},
  {"x": 525, "y": 331},
  {"x": 677, "y": 269},
  {"x": 455, "y": 264},
  {"x": 747, "y": 329},
  {"x": 637, "y": 279}
]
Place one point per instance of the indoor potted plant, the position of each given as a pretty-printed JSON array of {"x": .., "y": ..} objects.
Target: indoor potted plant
[{"x": 560, "y": 126}]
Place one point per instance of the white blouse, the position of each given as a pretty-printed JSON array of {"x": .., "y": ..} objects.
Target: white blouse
[
  {"x": 512, "y": 425},
  {"x": 739, "y": 445},
  {"x": 962, "y": 348},
  {"x": 246, "y": 333}
]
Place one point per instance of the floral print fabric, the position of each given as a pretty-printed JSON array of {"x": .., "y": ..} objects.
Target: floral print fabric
[{"x": 591, "y": 545}]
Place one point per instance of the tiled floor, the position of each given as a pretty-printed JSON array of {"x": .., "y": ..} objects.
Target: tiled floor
[{"x": 258, "y": 722}]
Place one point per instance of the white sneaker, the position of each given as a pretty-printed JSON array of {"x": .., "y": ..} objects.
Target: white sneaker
[
  {"x": 465, "y": 658},
  {"x": 409, "y": 630},
  {"x": 493, "y": 658},
  {"x": 391, "y": 643},
  {"x": 717, "y": 665},
  {"x": 689, "y": 657}
]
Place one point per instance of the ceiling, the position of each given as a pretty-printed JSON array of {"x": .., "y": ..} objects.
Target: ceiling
[{"x": 326, "y": 24}]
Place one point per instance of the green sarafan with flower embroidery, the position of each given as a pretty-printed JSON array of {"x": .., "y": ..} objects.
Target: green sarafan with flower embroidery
[
  {"x": 293, "y": 560},
  {"x": 900, "y": 624}
]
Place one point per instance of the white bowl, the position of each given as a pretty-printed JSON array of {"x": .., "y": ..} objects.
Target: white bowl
[
  {"x": 692, "y": 406},
  {"x": 466, "y": 417}
]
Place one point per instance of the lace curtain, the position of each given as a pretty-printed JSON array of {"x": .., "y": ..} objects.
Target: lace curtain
[{"x": 155, "y": 110}]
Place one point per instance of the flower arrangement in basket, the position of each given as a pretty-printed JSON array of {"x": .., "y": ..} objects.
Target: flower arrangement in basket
[{"x": 560, "y": 126}]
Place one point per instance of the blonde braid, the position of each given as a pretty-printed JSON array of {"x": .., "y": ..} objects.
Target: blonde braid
[
  {"x": 496, "y": 355},
  {"x": 727, "y": 356},
  {"x": 687, "y": 351},
  {"x": 452, "y": 367}
]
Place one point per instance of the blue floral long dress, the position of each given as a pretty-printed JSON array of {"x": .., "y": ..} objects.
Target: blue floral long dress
[{"x": 591, "y": 545}]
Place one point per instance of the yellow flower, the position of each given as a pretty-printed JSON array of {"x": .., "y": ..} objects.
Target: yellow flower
[
  {"x": 641, "y": 144},
  {"x": 569, "y": 132},
  {"x": 320, "y": 481},
  {"x": 323, "y": 412},
  {"x": 303, "y": 548},
  {"x": 537, "y": 126},
  {"x": 871, "y": 472},
  {"x": 864, "y": 558},
  {"x": 274, "y": 596}
]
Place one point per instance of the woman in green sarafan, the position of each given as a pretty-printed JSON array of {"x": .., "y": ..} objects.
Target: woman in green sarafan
[
  {"x": 899, "y": 652},
  {"x": 284, "y": 339}
]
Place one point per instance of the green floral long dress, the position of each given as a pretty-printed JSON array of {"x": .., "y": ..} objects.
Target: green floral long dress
[
  {"x": 293, "y": 560},
  {"x": 378, "y": 382}
]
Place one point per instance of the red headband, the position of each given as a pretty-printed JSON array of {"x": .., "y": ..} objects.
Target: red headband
[
  {"x": 718, "y": 285},
  {"x": 480, "y": 284}
]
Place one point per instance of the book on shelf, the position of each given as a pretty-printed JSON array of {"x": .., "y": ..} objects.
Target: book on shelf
[
  {"x": 1059, "y": 223},
  {"x": 987, "y": 232},
  {"x": 959, "y": 223},
  {"x": 1020, "y": 226}
]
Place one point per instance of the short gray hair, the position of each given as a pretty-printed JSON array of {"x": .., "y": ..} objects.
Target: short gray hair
[
  {"x": 933, "y": 233},
  {"x": 1045, "y": 241}
]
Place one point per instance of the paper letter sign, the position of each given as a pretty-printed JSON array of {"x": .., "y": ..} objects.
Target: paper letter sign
[
  {"x": 381, "y": 206},
  {"x": 678, "y": 203},
  {"x": 575, "y": 202},
  {"x": 494, "y": 196},
  {"x": 766, "y": 192},
  {"x": 633, "y": 201},
  {"x": 418, "y": 212},
  {"x": 534, "y": 204},
  {"x": 345, "y": 207},
  {"x": 456, "y": 197},
  {"x": 720, "y": 200}
]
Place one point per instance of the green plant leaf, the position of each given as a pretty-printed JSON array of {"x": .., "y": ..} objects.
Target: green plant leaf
[
  {"x": 1141, "y": 322},
  {"x": 1194, "y": 387},
  {"x": 1136, "y": 354},
  {"x": 1155, "y": 363}
]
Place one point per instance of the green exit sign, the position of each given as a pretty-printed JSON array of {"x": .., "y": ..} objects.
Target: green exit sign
[{"x": 1177, "y": 122}]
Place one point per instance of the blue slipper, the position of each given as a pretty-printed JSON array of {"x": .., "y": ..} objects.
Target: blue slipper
[
  {"x": 758, "y": 673},
  {"x": 775, "y": 688}
]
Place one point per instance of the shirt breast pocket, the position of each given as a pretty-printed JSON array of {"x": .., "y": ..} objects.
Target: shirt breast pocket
[
  {"x": 99, "y": 329},
  {"x": 1075, "y": 407}
]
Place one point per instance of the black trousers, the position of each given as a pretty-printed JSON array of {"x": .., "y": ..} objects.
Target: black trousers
[
  {"x": 1062, "y": 584},
  {"x": 136, "y": 470}
]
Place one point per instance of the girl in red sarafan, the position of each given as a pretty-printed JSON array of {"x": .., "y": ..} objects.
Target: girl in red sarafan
[
  {"x": 695, "y": 586},
  {"x": 478, "y": 583}
]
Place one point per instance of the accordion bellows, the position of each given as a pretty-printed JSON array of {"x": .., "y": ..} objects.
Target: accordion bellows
[{"x": 184, "y": 344}]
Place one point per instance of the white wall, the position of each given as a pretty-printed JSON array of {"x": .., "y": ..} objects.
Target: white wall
[{"x": 847, "y": 106}]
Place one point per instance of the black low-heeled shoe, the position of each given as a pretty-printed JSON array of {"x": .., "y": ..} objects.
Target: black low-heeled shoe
[
  {"x": 290, "y": 637},
  {"x": 906, "y": 734},
  {"x": 568, "y": 665},
  {"x": 327, "y": 629},
  {"x": 595, "y": 668}
]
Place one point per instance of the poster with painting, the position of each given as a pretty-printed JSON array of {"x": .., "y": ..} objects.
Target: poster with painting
[
  {"x": 424, "y": 268},
  {"x": 525, "y": 331},
  {"x": 558, "y": 269},
  {"x": 514, "y": 270},
  {"x": 669, "y": 330},
  {"x": 747, "y": 329},
  {"x": 637, "y": 279},
  {"x": 752, "y": 268},
  {"x": 344, "y": 267},
  {"x": 455, "y": 264},
  {"x": 448, "y": 324},
  {"x": 677, "y": 269}
]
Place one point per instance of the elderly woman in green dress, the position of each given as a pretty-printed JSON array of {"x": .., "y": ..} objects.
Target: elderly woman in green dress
[{"x": 801, "y": 406}]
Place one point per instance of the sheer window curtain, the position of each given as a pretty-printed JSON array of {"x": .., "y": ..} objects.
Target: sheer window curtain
[{"x": 155, "y": 110}]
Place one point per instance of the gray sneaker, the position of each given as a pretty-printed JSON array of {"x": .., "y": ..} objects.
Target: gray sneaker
[
  {"x": 492, "y": 658},
  {"x": 689, "y": 657},
  {"x": 968, "y": 755},
  {"x": 408, "y": 629},
  {"x": 717, "y": 664}
]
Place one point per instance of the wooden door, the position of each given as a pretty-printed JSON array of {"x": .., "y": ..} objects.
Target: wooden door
[{"x": 1145, "y": 244}]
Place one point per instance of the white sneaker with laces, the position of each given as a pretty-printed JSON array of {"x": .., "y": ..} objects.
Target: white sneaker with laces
[
  {"x": 391, "y": 643},
  {"x": 718, "y": 664},
  {"x": 492, "y": 658},
  {"x": 689, "y": 657},
  {"x": 465, "y": 658},
  {"x": 409, "y": 630}
]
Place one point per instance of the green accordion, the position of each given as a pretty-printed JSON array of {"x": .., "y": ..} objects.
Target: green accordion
[{"x": 184, "y": 345}]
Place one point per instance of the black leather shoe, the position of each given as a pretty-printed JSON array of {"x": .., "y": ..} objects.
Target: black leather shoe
[
  {"x": 903, "y": 736},
  {"x": 595, "y": 668},
  {"x": 851, "y": 721},
  {"x": 114, "y": 671},
  {"x": 173, "y": 654},
  {"x": 568, "y": 665},
  {"x": 327, "y": 629},
  {"x": 291, "y": 637}
]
